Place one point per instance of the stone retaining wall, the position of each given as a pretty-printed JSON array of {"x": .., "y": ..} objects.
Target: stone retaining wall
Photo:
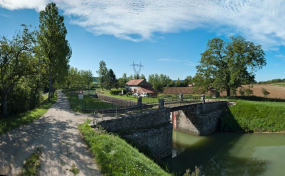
[{"x": 149, "y": 131}]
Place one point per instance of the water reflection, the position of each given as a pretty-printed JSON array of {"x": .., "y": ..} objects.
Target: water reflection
[{"x": 228, "y": 154}]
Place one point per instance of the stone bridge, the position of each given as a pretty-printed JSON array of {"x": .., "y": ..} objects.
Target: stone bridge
[{"x": 151, "y": 131}]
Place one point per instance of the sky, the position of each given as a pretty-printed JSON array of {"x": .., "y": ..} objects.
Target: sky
[{"x": 166, "y": 37}]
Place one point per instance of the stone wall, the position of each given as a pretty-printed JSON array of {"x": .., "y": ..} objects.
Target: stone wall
[
  {"x": 149, "y": 131},
  {"x": 199, "y": 119}
]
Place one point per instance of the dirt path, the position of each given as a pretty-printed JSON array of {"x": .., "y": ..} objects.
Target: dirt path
[{"x": 56, "y": 133}]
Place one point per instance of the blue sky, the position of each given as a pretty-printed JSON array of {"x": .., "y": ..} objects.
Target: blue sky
[{"x": 166, "y": 37}]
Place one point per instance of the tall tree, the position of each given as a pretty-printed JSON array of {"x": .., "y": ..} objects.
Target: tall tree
[
  {"x": 110, "y": 80},
  {"x": 54, "y": 46},
  {"x": 122, "y": 81},
  {"x": 102, "y": 72},
  {"x": 228, "y": 65},
  {"x": 142, "y": 76},
  {"x": 16, "y": 61}
]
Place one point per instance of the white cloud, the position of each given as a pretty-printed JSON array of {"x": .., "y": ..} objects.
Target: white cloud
[
  {"x": 186, "y": 62},
  {"x": 169, "y": 60},
  {"x": 280, "y": 56},
  {"x": 261, "y": 21},
  {"x": 4, "y": 15}
]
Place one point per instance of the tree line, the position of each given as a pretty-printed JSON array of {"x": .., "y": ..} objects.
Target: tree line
[
  {"x": 32, "y": 60},
  {"x": 225, "y": 66}
]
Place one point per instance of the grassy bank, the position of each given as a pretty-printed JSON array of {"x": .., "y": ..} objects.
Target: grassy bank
[
  {"x": 116, "y": 157},
  {"x": 26, "y": 117},
  {"x": 254, "y": 116},
  {"x": 87, "y": 102}
]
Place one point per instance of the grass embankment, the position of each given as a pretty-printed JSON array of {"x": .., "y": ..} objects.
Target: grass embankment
[
  {"x": 115, "y": 156},
  {"x": 254, "y": 116},
  {"x": 26, "y": 117},
  {"x": 87, "y": 102}
]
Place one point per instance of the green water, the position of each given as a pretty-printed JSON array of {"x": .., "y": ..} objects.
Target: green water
[{"x": 229, "y": 154}]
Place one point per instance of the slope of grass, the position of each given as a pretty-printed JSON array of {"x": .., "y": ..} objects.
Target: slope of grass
[
  {"x": 115, "y": 156},
  {"x": 254, "y": 116},
  {"x": 26, "y": 117}
]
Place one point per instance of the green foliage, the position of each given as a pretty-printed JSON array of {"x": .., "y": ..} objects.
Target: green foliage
[
  {"x": 241, "y": 92},
  {"x": 265, "y": 92},
  {"x": 115, "y": 92},
  {"x": 74, "y": 170},
  {"x": 128, "y": 94},
  {"x": 26, "y": 117},
  {"x": 228, "y": 65},
  {"x": 16, "y": 62},
  {"x": 79, "y": 78},
  {"x": 254, "y": 116},
  {"x": 194, "y": 173},
  {"x": 54, "y": 48},
  {"x": 159, "y": 81},
  {"x": 115, "y": 156},
  {"x": 32, "y": 164},
  {"x": 109, "y": 81},
  {"x": 103, "y": 71},
  {"x": 248, "y": 92}
]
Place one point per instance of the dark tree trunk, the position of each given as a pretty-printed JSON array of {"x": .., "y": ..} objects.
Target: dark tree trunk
[
  {"x": 228, "y": 92},
  {"x": 49, "y": 90}
]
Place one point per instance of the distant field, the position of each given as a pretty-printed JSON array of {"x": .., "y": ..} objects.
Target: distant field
[
  {"x": 279, "y": 84},
  {"x": 277, "y": 90}
]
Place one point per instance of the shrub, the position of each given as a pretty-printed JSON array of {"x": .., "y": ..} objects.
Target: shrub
[
  {"x": 241, "y": 92},
  {"x": 128, "y": 94},
  {"x": 265, "y": 92},
  {"x": 248, "y": 92},
  {"x": 115, "y": 92}
]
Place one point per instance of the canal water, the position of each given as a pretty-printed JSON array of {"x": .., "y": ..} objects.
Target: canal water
[{"x": 229, "y": 154}]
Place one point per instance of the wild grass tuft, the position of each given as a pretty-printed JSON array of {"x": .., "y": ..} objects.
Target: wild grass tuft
[{"x": 32, "y": 164}]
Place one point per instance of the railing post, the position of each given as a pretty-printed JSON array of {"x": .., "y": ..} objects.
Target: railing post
[{"x": 161, "y": 103}]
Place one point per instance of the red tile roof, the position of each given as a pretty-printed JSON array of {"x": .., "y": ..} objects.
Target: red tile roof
[{"x": 134, "y": 82}]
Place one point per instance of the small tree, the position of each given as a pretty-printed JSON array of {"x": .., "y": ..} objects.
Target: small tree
[
  {"x": 16, "y": 62},
  {"x": 265, "y": 92},
  {"x": 241, "y": 92},
  {"x": 248, "y": 92}
]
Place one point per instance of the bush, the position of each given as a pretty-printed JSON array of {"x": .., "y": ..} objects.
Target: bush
[
  {"x": 248, "y": 92},
  {"x": 115, "y": 92},
  {"x": 241, "y": 92},
  {"x": 265, "y": 92},
  {"x": 128, "y": 94}
]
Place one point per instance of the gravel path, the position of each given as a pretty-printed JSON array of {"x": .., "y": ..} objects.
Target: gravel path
[{"x": 56, "y": 133}]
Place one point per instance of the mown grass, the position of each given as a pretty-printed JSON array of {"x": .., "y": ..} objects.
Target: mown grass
[
  {"x": 150, "y": 100},
  {"x": 26, "y": 117},
  {"x": 115, "y": 156},
  {"x": 87, "y": 102},
  {"x": 32, "y": 164},
  {"x": 254, "y": 116}
]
